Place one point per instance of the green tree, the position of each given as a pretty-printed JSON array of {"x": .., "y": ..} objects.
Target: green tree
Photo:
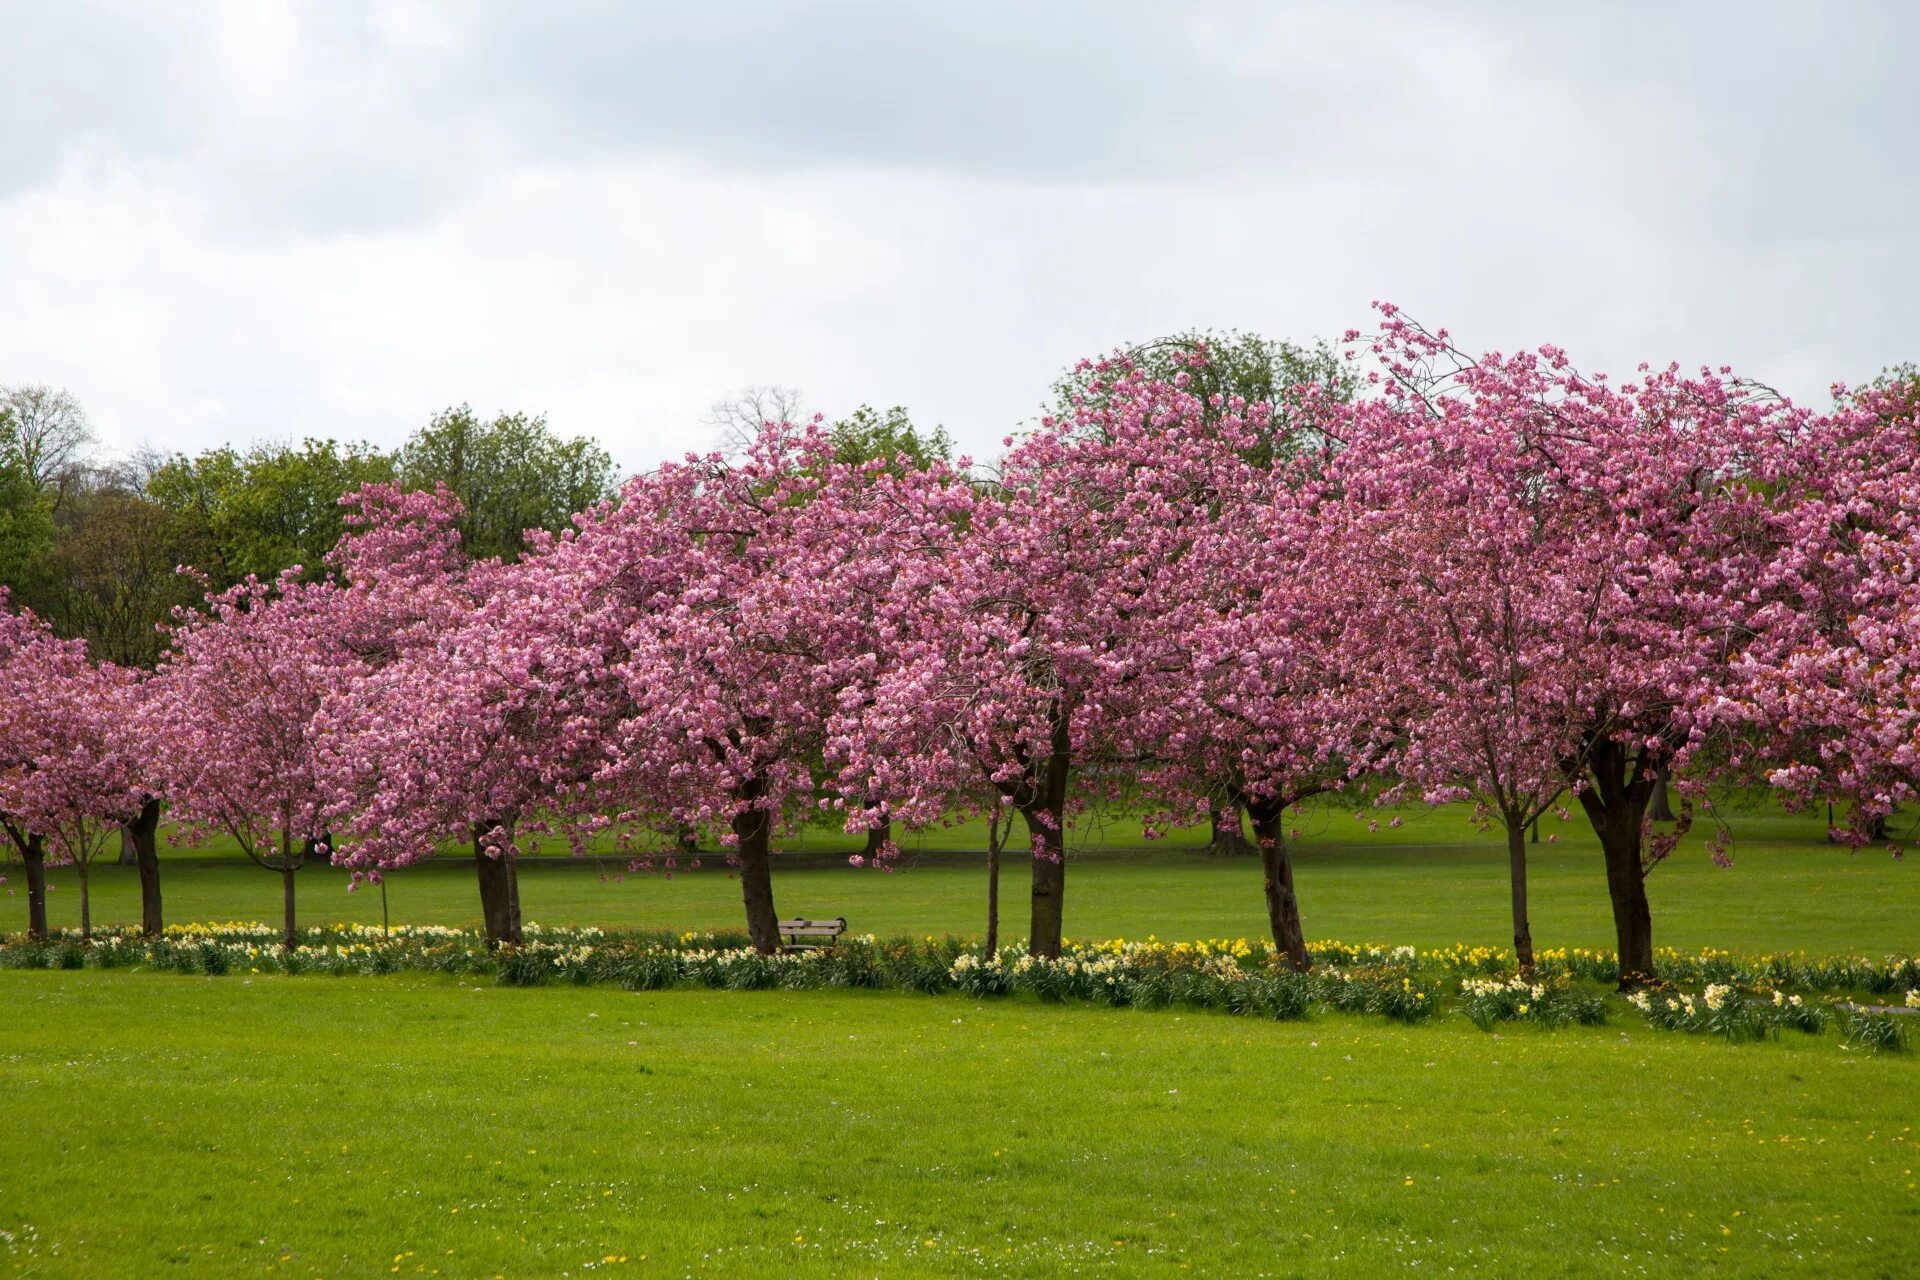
[
  {"x": 271, "y": 507},
  {"x": 111, "y": 575},
  {"x": 867, "y": 434},
  {"x": 513, "y": 473},
  {"x": 26, "y": 524},
  {"x": 1906, "y": 374}
]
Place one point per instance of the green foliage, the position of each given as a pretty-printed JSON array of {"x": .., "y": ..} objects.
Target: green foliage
[
  {"x": 1733, "y": 1014},
  {"x": 111, "y": 574},
  {"x": 1236, "y": 977},
  {"x": 270, "y": 507},
  {"x": 513, "y": 473},
  {"x": 81, "y": 544},
  {"x": 1872, "y": 1030},
  {"x": 1904, "y": 374},
  {"x": 1550, "y": 1003},
  {"x": 94, "y": 547},
  {"x": 868, "y": 435},
  {"x": 26, "y": 522}
]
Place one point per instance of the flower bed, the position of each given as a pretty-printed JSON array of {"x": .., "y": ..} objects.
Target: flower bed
[{"x": 1743, "y": 998}]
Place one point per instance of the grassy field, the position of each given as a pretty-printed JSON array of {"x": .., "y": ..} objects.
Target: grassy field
[
  {"x": 1432, "y": 881},
  {"x": 357, "y": 1127},
  {"x": 415, "y": 1125}
]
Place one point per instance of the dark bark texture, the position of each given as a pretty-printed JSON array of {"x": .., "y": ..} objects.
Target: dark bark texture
[
  {"x": 1620, "y": 786},
  {"x": 1517, "y": 878},
  {"x": 1047, "y": 823},
  {"x": 290, "y": 931},
  {"x": 144, "y": 832},
  {"x": 753, "y": 827},
  {"x": 995, "y": 839},
  {"x": 33, "y": 858},
  {"x": 1276, "y": 867},
  {"x": 499, "y": 890}
]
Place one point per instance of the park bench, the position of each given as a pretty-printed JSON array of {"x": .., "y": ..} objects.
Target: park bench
[{"x": 806, "y": 935}]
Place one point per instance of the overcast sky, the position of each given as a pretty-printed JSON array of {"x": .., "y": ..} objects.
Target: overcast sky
[{"x": 254, "y": 220}]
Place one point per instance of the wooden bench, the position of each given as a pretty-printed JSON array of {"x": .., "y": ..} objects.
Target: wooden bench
[{"x": 806, "y": 935}]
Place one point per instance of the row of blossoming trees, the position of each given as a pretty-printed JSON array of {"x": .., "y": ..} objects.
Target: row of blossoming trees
[{"x": 1490, "y": 579}]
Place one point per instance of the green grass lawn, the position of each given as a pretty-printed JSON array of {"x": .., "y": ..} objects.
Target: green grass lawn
[
  {"x": 153, "y": 1124},
  {"x": 311, "y": 1126},
  {"x": 1432, "y": 881}
]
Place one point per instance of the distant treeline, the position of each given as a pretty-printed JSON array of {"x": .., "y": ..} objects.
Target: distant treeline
[{"x": 93, "y": 544}]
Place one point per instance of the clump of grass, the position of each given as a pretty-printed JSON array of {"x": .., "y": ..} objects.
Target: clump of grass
[
  {"x": 1550, "y": 1002},
  {"x": 1873, "y": 1031}
]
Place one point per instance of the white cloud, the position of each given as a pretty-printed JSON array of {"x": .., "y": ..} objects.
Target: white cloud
[{"x": 263, "y": 221}]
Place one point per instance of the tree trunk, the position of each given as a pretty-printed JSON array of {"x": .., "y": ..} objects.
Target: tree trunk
[
  {"x": 1517, "y": 874},
  {"x": 1226, "y": 836},
  {"x": 144, "y": 832},
  {"x": 129, "y": 853},
  {"x": 753, "y": 828},
  {"x": 34, "y": 855},
  {"x": 1276, "y": 867},
  {"x": 995, "y": 838},
  {"x": 878, "y": 837},
  {"x": 499, "y": 890},
  {"x": 1047, "y": 823},
  {"x": 1616, "y": 804},
  {"x": 1049, "y": 883},
  {"x": 86, "y": 902},
  {"x": 289, "y": 933},
  {"x": 1632, "y": 918},
  {"x": 1658, "y": 808}
]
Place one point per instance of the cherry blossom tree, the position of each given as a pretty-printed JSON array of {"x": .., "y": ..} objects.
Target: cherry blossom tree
[
  {"x": 1839, "y": 700},
  {"x": 232, "y": 710},
  {"x": 20, "y": 632},
  {"x": 1663, "y": 546},
  {"x": 1271, "y": 395},
  {"x": 467, "y": 737},
  {"x": 71, "y": 778},
  {"x": 435, "y": 737},
  {"x": 1254, "y": 695},
  {"x": 1021, "y": 657},
  {"x": 691, "y": 634},
  {"x": 1471, "y": 635}
]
